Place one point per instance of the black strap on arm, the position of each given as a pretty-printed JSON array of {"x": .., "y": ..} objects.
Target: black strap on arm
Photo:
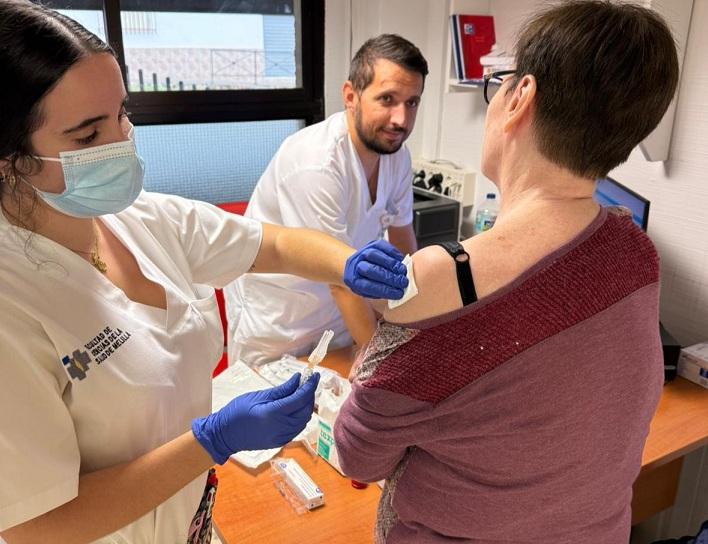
[{"x": 464, "y": 273}]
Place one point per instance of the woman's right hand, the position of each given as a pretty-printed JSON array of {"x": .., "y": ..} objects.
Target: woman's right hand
[
  {"x": 376, "y": 271},
  {"x": 259, "y": 420}
]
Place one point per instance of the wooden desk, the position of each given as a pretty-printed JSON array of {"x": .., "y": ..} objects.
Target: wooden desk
[
  {"x": 680, "y": 425},
  {"x": 250, "y": 510}
]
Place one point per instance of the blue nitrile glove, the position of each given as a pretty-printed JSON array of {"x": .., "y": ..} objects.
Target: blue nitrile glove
[
  {"x": 376, "y": 271},
  {"x": 259, "y": 420}
]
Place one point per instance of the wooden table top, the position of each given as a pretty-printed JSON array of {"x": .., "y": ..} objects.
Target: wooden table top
[
  {"x": 680, "y": 424},
  {"x": 249, "y": 508}
]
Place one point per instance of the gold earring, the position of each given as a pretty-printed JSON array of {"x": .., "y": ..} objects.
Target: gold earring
[{"x": 10, "y": 179}]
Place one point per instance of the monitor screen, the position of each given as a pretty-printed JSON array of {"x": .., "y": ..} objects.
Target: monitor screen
[{"x": 609, "y": 192}]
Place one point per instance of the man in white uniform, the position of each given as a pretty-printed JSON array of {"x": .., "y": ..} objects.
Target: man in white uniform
[{"x": 348, "y": 176}]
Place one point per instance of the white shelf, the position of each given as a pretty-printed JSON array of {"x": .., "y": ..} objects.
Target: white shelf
[
  {"x": 656, "y": 146},
  {"x": 457, "y": 86}
]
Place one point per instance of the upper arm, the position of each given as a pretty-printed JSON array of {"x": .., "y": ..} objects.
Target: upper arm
[
  {"x": 435, "y": 278},
  {"x": 374, "y": 430},
  {"x": 39, "y": 449},
  {"x": 216, "y": 246}
]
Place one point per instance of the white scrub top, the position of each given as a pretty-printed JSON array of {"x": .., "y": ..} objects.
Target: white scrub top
[
  {"x": 315, "y": 180},
  {"x": 89, "y": 378}
]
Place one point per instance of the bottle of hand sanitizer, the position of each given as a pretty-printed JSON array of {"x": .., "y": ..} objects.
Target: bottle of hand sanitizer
[{"x": 487, "y": 214}]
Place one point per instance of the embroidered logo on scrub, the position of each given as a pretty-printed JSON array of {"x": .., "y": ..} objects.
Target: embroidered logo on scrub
[
  {"x": 100, "y": 347},
  {"x": 78, "y": 365}
]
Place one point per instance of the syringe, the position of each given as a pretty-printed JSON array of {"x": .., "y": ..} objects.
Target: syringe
[{"x": 317, "y": 355}]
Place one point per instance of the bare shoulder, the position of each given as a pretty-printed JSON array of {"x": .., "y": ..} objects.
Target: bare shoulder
[
  {"x": 493, "y": 262},
  {"x": 496, "y": 258},
  {"x": 434, "y": 273}
]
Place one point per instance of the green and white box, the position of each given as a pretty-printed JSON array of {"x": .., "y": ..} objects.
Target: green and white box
[{"x": 326, "y": 447}]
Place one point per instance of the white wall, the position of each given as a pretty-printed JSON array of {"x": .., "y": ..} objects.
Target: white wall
[
  {"x": 450, "y": 126},
  {"x": 678, "y": 190},
  {"x": 349, "y": 23},
  {"x": 678, "y": 225},
  {"x": 337, "y": 51}
]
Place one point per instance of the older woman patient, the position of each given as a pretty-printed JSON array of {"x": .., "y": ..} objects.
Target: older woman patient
[{"x": 510, "y": 400}]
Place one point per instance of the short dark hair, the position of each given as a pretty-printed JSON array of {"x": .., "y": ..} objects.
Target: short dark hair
[
  {"x": 391, "y": 47},
  {"x": 37, "y": 46},
  {"x": 606, "y": 73}
]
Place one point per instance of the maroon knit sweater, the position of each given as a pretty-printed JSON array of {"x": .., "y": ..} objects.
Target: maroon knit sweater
[{"x": 521, "y": 417}]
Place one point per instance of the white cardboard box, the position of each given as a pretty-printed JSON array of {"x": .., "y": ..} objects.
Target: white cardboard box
[
  {"x": 693, "y": 364},
  {"x": 305, "y": 491}
]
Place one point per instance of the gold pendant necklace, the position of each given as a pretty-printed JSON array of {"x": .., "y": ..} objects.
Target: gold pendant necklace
[
  {"x": 97, "y": 263},
  {"x": 94, "y": 257}
]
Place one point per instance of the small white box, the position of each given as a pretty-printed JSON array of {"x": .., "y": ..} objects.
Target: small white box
[
  {"x": 304, "y": 491},
  {"x": 693, "y": 364}
]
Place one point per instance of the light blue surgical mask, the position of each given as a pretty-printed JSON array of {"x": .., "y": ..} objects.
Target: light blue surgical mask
[{"x": 98, "y": 180}]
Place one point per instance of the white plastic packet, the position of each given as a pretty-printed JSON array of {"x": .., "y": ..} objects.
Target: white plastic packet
[
  {"x": 235, "y": 380},
  {"x": 279, "y": 371}
]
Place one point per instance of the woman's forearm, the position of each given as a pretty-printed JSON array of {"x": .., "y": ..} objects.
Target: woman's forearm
[
  {"x": 303, "y": 252},
  {"x": 111, "y": 498}
]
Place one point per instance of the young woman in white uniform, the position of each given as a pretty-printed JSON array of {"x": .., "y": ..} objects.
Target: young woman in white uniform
[{"x": 109, "y": 329}]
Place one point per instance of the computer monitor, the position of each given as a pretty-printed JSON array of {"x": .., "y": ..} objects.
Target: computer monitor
[{"x": 609, "y": 192}]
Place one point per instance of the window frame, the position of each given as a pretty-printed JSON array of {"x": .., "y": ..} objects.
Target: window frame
[{"x": 188, "y": 107}]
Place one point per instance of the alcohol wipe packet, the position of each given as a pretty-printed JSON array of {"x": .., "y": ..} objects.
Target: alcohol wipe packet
[{"x": 411, "y": 290}]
